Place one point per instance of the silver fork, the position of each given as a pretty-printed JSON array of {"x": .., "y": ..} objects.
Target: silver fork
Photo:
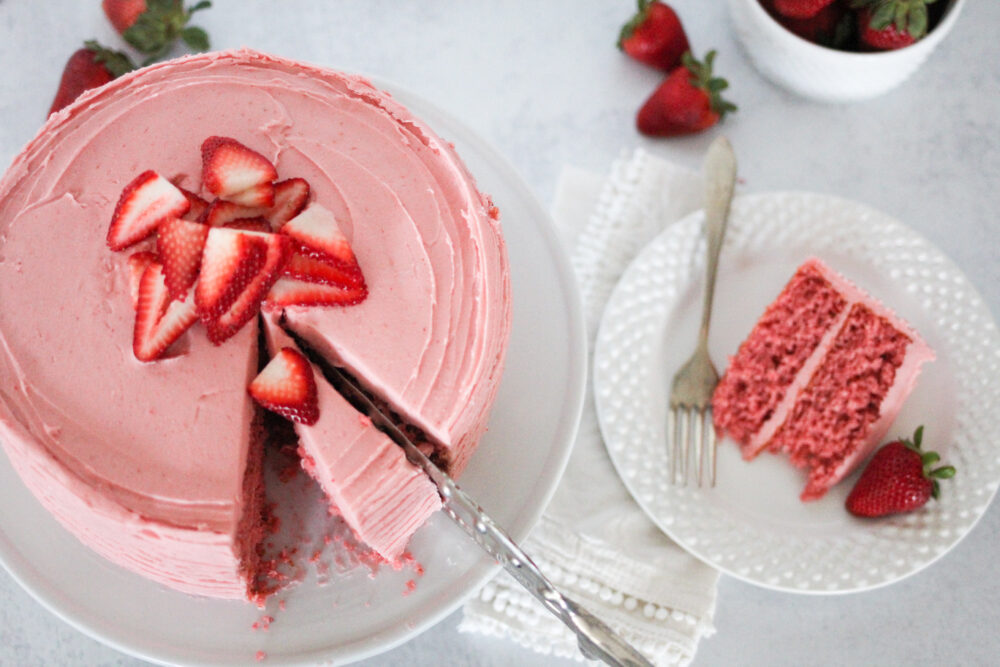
[{"x": 689, "y": 420}]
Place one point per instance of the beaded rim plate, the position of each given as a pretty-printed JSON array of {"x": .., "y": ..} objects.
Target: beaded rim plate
[{"x": 752, "y": 525}]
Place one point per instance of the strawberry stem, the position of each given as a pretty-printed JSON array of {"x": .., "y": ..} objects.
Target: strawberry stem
[
  {"x": 633, "y": 23},
  {"x": 701, "y": 77},
  {"x": 116, "y": 62}
]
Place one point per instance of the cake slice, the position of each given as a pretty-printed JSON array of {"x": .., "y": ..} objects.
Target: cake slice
[
  {"x": 821, "y": 376},
  {"x": 382, "y": 496}
]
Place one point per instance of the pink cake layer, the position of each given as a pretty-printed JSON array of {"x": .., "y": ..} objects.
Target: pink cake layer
[
  {"x": 846, "y": 392},
  {"x": 382, "y": 496},
  {"x": 769, "y": 360},
  {"x": 121, "y": 446}
]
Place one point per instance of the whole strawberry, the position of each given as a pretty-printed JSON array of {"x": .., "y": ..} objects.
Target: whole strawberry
[
  {"x": 123, "y": 13},
  {"x": 886, "y": 25},
  {"x": 899, "y": 478},
  {"x": 655, "y": 36},
  {"x": 153, "y": 26},
  {"x": 832, "y": 26},
  {"x": 687, "y": 101},
  {"x": 89, "y": 67},
  {"x": 800, "y": 9}
]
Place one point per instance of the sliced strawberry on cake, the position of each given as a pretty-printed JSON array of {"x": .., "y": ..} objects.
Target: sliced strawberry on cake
[
  {"x": 290, "y": 198},
  {"x": 137, "y": 263},
  {"x": 308, "y": 269},
  {"x": 287, "y": 387},
  {"x": 292, "y": 292},
  {"x": 159, "y": 321},
  {"x": 180, "y": 244},
  {"x": 145, "y": 202},
  {"x": 229, "y": 263},
  {"x": 221, "y": 212},
  {"x": 248, "y": 303},
  {"x": 237, "y": 173},
  {"x": 259, "y": 225},
  {"x": 320, "y": 237},
  {"x": 198, "y": 205}
]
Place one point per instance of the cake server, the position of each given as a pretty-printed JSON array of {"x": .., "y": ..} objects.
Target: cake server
[{"x": 596, "y": 640}]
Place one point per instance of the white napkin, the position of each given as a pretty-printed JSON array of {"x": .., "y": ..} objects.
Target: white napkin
[{"x": 594, "y": 541}]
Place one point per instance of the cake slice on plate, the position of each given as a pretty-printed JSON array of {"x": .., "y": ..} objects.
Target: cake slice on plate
[{"x": 821, "y": 376}]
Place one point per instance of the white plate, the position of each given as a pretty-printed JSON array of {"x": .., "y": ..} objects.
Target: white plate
[
  {"x": 752, "y": 525},
  {"x": 513, "y": 474}
]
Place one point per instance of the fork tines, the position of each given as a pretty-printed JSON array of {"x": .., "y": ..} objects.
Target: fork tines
[{"x": 690, "y": 427}]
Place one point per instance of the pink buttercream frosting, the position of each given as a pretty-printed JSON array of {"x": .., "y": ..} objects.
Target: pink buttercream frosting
[
  {"x": 382, "y": 496},
  {"x": 146, "y": 462}
]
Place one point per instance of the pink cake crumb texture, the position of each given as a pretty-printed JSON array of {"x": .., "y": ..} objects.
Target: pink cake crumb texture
[
  {"x": 771, "y": 357},
  {"x": 833, "y": 415},
  {"x": 854, "y": 364}
]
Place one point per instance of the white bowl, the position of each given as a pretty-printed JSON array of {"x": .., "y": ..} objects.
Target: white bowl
[{"x": 823, "y": 73}]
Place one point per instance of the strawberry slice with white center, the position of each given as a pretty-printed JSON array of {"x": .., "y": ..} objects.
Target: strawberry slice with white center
[
  {"x": 291, "y": 292},
  {"x": 145, "y": 202},
  {"x": 221, "y": 212},
  {"x": 259, "y": 225},
  {"x": 137, "y": 264},
  {"x": 229, "y": 262},
  {"x": 302, "y": 267},
  {"x": 198, "y": 205},
  {"x": 159, "y": 321},
  {"x": 248, "y": 303},
  {"x": 320, "y": 236},
  {"x": 180, "y": 244},
  {"x": 287, "y": 387},
  {"x": 237, "y": 173},
  {"x": 290, "y": 197}
]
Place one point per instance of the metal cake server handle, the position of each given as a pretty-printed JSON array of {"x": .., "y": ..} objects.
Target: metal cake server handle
[{"x": 597, "y": 641}]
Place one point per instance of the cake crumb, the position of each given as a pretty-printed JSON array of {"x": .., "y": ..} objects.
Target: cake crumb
[{"x": 411, "y": 586}]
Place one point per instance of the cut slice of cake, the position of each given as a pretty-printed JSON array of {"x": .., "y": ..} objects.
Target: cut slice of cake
[
  {"x": 383, "y": 497},
  {"x": 821, "y": 376}
]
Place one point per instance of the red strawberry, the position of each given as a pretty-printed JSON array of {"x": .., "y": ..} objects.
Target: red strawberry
[
  {"x": 247, "y": 304},
  {"x": 317, "y": 232},
  {"x": 302, "y": 267},
  {"x": 291, "y": 292},
  {"x": 89, "y": 67},
  {"x": 198, "y": 205},
  {"x": 824, "y": 28},
  {"x": 655, "y": 36},
  {"x": 123, "y": 13},
  {"x": 153, "y": 26},
  {"x": 687, "y": 101},
  {"x": 258, "y": 224},
  {"x": 290, "y": 197},
  {"x": 137, "y": 264},
  {"x": 800, "y": 9},
  {"x": 233, "y": 172},
  {"x": 180, "y": 244},
  {"x": 891, "y": 24},
  {"x": 145, "y": 202},
  {"x": 287, "y": 386},
  {"x": 221, "y": 212},
  {"x": 158, "y": 320},
  {"x": 229, "y": 262},
  {"x": 897, "y": 479}
]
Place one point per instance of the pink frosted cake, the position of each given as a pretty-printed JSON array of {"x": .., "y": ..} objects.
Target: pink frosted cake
[
  {"x": 157, "y": 466},
  {"x": 821, "y": 376}
]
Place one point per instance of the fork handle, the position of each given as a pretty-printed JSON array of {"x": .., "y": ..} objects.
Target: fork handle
[{"x": 720, "y": 179}]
